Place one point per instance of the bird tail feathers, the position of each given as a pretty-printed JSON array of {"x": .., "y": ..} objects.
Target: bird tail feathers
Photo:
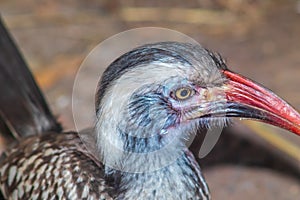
[{"x": 23, "y": 109}]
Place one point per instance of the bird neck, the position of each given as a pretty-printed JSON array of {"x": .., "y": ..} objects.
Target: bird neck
[{"x": 180, "y": 180}]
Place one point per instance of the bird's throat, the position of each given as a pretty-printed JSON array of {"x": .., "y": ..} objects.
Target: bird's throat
[{"x": 180, "y": 180}]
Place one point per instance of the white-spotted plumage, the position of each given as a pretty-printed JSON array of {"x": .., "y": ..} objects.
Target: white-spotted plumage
[{"x": 39, "y": 178}]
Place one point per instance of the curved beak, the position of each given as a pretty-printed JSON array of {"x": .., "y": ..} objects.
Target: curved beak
[{"x": 247, "y": 99}]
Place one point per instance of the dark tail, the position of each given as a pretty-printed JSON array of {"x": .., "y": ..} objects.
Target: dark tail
[{"x": 23, "y": 109}]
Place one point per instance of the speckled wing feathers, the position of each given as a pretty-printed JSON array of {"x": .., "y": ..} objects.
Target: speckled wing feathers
[{"x": 53, "y": 166}]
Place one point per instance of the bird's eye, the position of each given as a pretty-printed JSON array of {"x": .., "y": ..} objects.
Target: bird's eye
[{"x": 183, "y": 93}]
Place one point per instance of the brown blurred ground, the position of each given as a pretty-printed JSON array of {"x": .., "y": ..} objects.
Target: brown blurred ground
[{"x": 259, "y": 40}]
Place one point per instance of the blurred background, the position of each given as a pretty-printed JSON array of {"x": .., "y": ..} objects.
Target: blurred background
[{"x": 259, "y": 39}]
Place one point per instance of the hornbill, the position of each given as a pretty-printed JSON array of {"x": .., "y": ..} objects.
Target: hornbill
[{"x": 150, "y": 103}]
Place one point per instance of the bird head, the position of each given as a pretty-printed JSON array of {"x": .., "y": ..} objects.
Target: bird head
[{"x": 157, "y": 96}]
